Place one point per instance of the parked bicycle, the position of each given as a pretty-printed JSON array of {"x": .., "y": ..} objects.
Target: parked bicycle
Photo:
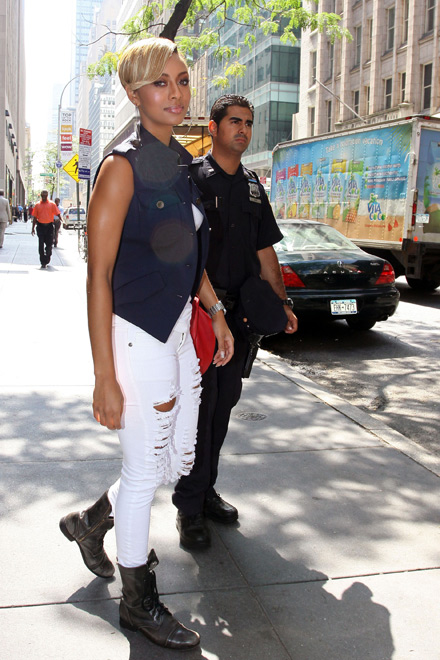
[{"x": 82, "y": 241}]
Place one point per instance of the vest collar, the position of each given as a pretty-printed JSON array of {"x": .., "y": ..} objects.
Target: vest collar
[{"x": 142, "y": 137}]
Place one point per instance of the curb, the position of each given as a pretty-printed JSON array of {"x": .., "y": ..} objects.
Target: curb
[{"x": 384, "y": 433}]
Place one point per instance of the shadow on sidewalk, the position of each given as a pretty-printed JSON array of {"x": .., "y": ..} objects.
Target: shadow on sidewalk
[{"x": 302, "y": 620}]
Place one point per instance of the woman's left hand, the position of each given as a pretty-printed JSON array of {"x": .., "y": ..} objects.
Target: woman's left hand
[{"x": 225, "y": 340}]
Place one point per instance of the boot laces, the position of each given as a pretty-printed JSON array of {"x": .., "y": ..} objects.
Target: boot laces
[{"x": 152, "y": 602}]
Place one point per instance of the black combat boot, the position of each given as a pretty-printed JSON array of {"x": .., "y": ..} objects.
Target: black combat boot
[
  {"x": 141, "y": 609},
  {"x": 88, "y": 529}
]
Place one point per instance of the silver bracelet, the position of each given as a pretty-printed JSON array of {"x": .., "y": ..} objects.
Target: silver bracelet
[{"x": 216, "y": 308}]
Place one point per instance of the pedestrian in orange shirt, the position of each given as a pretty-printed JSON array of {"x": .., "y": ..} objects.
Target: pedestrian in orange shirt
[{"x": 43, "y": 216}]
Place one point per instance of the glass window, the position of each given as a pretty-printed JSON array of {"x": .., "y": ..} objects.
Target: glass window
[
  {"x": 391, "y": 15},
  {"x": 329, "y": 116},
  {"x": 356, "y": 96},
  {"x": 367, "y": 99},
  {"x": 402, "y": 86},
  {"x": 272, "y": 124},
  {"x": 312, "y": 121},
  {"x": 285, "y": 64},
  {"x": 357, "y": 44},
  {"x": 312, "y": 237},
  {"x": 430, "y": 15},
  {"x": 313, "y": 61},
  {"x": 331, "y": 59},
  {"x": 388, "y": 93},
  {"x": 405, "y": 21},
  {"x": 427, "y": 86},
  {"x": 370, "y": 38}
]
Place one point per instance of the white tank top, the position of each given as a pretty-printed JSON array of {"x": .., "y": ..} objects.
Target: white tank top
[{"x": 182, "y": 322}]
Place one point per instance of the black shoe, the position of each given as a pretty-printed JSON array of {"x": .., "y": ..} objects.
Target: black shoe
[
  {"x": 217, "y": 509},
  {"x": 193, "y": 531}
]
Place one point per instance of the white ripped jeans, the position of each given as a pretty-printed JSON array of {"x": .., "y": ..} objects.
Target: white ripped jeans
[{"x": 158, "y": 447}]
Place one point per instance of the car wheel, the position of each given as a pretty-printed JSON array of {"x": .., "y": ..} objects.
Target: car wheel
[
  {"x": 423, "y": 284},
  {"x": 360, "y": 324}
]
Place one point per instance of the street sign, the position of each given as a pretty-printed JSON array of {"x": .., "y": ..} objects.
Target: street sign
[
  {"x": 72, "y": 168},
  {"x": 47, "y": 174},
  {"x": 66, "y": 125},
  {"x": 85, "y": 153}
]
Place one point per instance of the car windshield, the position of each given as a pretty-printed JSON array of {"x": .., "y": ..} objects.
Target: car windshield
[{"x": 299, "y": 237}]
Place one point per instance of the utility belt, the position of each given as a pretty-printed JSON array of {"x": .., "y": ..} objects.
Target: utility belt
[{"x": 229, "y": 300}]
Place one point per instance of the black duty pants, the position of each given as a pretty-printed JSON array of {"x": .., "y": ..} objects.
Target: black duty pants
[
  {"x": 221, "y": 390},
  {"x": 45, "y": 241}
]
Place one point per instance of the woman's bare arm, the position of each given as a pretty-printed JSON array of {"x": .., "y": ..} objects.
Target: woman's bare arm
[{"x": 108, "y": 208}]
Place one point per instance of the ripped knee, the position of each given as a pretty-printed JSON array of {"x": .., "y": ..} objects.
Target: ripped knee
[{"x": 165, "y": 407}]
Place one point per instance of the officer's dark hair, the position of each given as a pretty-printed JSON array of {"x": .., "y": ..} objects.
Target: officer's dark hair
[{"x": 220, "y": 107}]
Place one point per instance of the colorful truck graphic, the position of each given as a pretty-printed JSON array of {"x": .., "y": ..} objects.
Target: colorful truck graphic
[{"x": 364, "y": 182}]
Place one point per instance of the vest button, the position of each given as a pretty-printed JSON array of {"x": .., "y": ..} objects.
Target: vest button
[
  {"x": 160, "y": 204},
  {"x": 198, "y": 200}
]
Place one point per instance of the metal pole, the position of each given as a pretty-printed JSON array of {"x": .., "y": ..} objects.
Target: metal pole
[
  {"x": 340, "y": 100},
  {"x": 59, "y": 128}
]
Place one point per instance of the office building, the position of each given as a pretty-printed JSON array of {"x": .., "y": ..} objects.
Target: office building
[
  {"x": 391, "y": 68},
  {"x": 271, "y": 82},
  {"x": 84, "y": 21},
  {"x": 12, "y": 100}
]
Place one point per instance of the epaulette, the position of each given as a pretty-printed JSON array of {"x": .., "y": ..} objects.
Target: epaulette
[
  {"x": 250, "y": 175},
  {"x": 201, "y": 163}
]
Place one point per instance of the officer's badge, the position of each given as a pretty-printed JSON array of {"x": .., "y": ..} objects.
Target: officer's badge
[{"x": 254, "y": 192}]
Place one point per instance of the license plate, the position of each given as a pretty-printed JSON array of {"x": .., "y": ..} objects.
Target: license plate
[{"x": 339, "y": 307}]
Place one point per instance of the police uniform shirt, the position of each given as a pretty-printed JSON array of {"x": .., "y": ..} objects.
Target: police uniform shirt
[{"x": 241, "y": 222}]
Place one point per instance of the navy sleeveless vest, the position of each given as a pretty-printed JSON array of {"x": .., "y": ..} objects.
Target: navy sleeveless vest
[{"x": 161, "y": 256}]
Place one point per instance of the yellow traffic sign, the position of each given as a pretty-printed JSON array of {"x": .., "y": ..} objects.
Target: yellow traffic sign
[{"x": 72, "y": 168}]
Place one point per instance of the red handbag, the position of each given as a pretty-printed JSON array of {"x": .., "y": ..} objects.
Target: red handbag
[{"x": 202, "y": 334}]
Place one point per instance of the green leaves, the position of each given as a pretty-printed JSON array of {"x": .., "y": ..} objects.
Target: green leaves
[
  {"x": 196, "y": 25},
  {"x": 108, "y": 64}
]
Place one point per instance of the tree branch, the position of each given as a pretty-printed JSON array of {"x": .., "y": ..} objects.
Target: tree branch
[{"x": 176, "y": 19}]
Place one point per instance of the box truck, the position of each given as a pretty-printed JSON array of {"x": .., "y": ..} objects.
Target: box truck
[{"x": 379, "y": 185}]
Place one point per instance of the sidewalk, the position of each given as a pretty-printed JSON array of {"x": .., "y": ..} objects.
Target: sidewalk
[{"x": 336, "y": 552}]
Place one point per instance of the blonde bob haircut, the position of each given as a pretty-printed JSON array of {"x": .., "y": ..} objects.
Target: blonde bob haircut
[{"x": 143, "y": 62}]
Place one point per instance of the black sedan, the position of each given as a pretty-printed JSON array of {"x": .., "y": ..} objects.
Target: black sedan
[{"x": 325, "y": 274}]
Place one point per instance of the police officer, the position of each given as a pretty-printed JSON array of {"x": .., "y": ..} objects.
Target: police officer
[{"x": 243, "y": 232}]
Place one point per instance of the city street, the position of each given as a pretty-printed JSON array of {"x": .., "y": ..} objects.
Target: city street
[
  {"x": 392, "y": 372},
  {"x": 335, "y": 553}
]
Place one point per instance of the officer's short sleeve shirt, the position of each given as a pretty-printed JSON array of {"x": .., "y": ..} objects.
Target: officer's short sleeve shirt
[{"x": 241, "y": 222}]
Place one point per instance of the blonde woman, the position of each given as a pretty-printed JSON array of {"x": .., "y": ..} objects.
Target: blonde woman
[{"x": 148, "y": 243}]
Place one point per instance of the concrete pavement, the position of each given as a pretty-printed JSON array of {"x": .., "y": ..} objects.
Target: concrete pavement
[{"x": 336, "y": 552}]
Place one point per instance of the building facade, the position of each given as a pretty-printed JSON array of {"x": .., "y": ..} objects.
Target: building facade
[
  {"x": 12, "y": 100},
  {"x": 96, "y": 97},
  {"x": 271, "y": 82},
  {"x": 84, "y": 20},
  {"x": 390, "y": 69},
  {"x": 101, "y": 118}
]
